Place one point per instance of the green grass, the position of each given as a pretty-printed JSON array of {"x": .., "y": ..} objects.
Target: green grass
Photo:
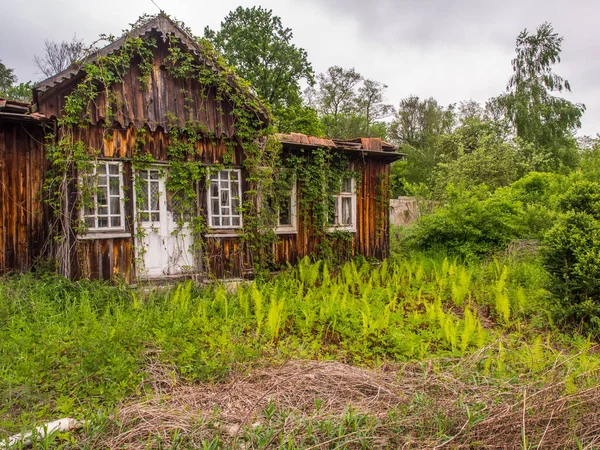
[{"x": 80, "y": 348}]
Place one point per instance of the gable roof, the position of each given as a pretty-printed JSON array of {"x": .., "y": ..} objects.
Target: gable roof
[{"x": 164, "y": 26}]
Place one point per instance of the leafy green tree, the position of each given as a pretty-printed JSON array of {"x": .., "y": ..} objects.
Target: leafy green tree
[
  {"x": 260, "y": 47},
  {"x": 349, "y": 105},
  {"x": 10, "y": 89},
  {"x": 370, "y": 104},
  {"x": 547, "y": 121},
  {"x": 419, "y": 127},
  {"x": 475, "y": 153},
  {"x": 7, "y": 77}
]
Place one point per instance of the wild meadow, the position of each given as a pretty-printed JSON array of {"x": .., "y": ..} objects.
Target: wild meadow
[{"x": 417, "y": 350}]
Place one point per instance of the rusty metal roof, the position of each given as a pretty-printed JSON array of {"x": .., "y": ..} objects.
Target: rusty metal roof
[
  {"x": 18, "y": 111},
  {"x": 370, "y": 146},
  {"x": 163, "y": 25}
]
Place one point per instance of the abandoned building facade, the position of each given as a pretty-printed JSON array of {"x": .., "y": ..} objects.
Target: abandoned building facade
[{"x": 128, "y": 225}]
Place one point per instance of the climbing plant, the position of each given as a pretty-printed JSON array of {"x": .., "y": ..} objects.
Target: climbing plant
[{"x": 268, "y": 172}]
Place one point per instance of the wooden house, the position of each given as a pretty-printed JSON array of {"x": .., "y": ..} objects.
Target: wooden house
[{"x": 129, "y": 225}]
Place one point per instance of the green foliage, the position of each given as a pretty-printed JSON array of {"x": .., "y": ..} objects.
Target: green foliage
[
  {"x": 471, "y": 223},
  {"x": 546, "y": 121},
  {"x": 571, "y": 253},
  {"x": 349, "y": 105},
  {"x": 7, "y": 77},
  {"x": 476, "y": 153},
  {"x": 9, "y": 88},
  {"x": 260, "y": 47}
]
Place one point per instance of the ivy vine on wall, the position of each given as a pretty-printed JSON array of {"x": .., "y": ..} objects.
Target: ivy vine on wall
[{"x": 269, "y": 171}]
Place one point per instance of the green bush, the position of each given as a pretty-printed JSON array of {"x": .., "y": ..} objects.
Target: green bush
[
  {"x": 471, "y": 224},
  {"x": 571, "y": 253}
]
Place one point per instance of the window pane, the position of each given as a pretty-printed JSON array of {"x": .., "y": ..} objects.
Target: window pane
[
  {"x": 114, "y": 186},
  {"x": 214, "y": 190},
  {"x": 332, "y": 210},
  {"x": 154, "y": 174},
  {"x": 101, "y": 180},
  {"x": 154, "y": 196},
  {"x": 90, "y": 222},
  {"x": 214, "y": 176},
  {"x": 347, "y": 211},
  {"x": 103, "y": 210},
  {"x": 225, "y": 221},
  {"x": 115, "y": 205},
  {"x": 102, "y": 196},
  {"x": 234, "y": 189},
  {"x": 285, "y": 217},
  {"x": 113, "y": 169},
  {"x": 143, "y": 197},
  {"x": 224, "y": 198},
  {"x": 216, "y": 221},
  {"x": 215, "y": 206},
  {"x": 224, "y": 211},
  {"x": 102, "y": 222},
  {"x": 235, "y": 206},
  {"x": 115, "y": 221},
  {"x": 234, "y": 175},
  {"x": 224, "y": 185},
  {"x": 347, "y": 185},
  {"x": 235, "y": 221},
  {"x": 155, "y": 217},
  {"x": 101, "y": 169}
]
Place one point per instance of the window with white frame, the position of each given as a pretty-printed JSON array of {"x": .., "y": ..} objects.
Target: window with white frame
[
  {"x": 103, "y": 205},
  {"x": 341, "y": 210},
  {"x": 148, "y": 195},
  {"x": 224, "y": 199},
  {"x": 286, "y": 210}
]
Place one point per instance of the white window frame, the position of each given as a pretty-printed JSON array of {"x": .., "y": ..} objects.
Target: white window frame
[
  {"x": 293, "y": 226},
  {"x": 209, "y": 198},
  {"x": 337, "y": 226},
  {"x": 94, "y": 194}
]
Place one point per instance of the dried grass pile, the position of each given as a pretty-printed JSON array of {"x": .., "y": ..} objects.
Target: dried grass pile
[{"x": 407, "y": 403}]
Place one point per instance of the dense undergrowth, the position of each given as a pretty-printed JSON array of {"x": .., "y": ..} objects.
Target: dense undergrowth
[{"x": 81, "y": 348}]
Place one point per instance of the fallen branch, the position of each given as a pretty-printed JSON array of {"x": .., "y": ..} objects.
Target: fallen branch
[{"x": 42, "y": 432}]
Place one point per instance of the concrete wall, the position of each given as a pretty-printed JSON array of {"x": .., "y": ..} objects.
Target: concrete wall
[{"x": 403, "y": 211}]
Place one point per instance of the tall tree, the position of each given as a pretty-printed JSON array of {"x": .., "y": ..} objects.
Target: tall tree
[
  {"x": 7, "y": 77},
  {"x": 335, "y": 93},
  {"x": 547, "y": 121},
  {"x": 349, "y": 105},
  {"x": 260, "y": 47},
  {"x": 59, "y": 55},
  {"x": 370, "y": 104},
  {"x": 10, "y": 89},
  {"x": 419, "y": 128}
]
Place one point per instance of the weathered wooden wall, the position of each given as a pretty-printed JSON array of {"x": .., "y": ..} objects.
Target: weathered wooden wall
[
  {"x": 165, "y": 102},
  {"x": 22, "y": 167}
]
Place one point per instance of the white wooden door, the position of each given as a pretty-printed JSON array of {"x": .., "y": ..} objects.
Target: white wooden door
[{"x": 163, "y": 248}]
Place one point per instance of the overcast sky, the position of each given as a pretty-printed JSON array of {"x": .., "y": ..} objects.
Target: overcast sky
[{"x": 451, "y": 50}]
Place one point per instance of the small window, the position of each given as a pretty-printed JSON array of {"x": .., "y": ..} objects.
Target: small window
[
  {"x": 104, "y": 207},
  {"x": 286, "y": 211},
  {"x": 224, "y": 199},
  {"x": 148, "y": 195},
  {"x": 341, "y": 208}
]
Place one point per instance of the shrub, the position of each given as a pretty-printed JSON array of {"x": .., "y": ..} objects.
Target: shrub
[
  {"x": 571, "y": 253},
  {"x": 472, "y": 223}
]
